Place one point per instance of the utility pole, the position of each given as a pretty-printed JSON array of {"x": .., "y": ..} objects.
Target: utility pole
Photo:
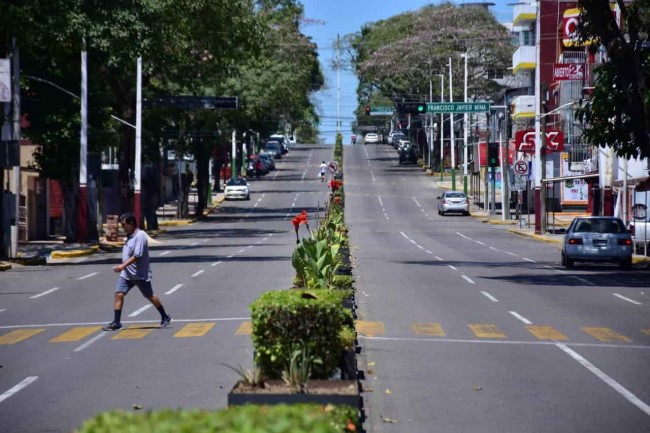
[
  {"x": 338, "y": 84},
  {"x": 82, "y": 201},
  {"x": 452, "y": 136},
  {"x": 537, "y": 162},
  {"x": 138, "y": 143},
  {"x": 442, "y": 126},
  {"x": 15, "y": 63},
  {"x": 233, "y": 154},
  {"x": 542, "y": 191},
  {"x": 465, "y": 132},
  {"x": 505, "y": 165}
]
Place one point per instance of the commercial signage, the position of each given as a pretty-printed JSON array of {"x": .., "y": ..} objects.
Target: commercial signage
[
  {"x": 458, "y": 107},
  {"x": 525, "y": 141},
  {"x": 5, "y": 80},
  {"x": 570, "y": 20},
  {"x": 569, "y": 71}
]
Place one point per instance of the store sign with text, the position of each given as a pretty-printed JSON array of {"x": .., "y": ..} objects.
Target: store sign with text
[
  {"x": 525, "y": 141},
  {"x": 569, "y": 71}
]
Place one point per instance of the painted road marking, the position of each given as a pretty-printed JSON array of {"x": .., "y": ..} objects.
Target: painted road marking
[
  {"x": 88, "y": 276},
  {"x": 605, "y": 334},
  {"x": 433, "y": 329},
  {"x": 468, "y": 279},
  {"x": 19, "y": 335},
  {"x": 369, "y": 328},
  {"x": 164, "y": 253},
  {"x": 47, "y": 292},
  {"x": 520, "y": 317},
  {"x": 490, "y": 297},
  {"x": 175, "y": 288},
  {"x": 486, "y": 330},
  {"x": 91, "y": 341},
  {"x": 646, "y": 331},
  {"x": 626, "y": 299},
  {"x": 194, "y": 330},
  {"x": 197, "y": 273},
  {"x": 75, "y": 334},
  {"x": 140, "y": 310},
  {"x": 133, "y": 332},
  {"x": 245, "y": 328},
  {"x": 546, "y": 333},
  {"x": 17, "y": 388}
]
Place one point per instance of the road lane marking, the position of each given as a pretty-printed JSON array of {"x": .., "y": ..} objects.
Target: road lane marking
[
  {"x": 416, "y": 202},
  {"x": 194, "y": 244},
  {"x": 529, "y": 260},
  {"x": 490, "y": 297},
  {"x": 424, "y": 328},
  {"x": 582, "y": 280},
  {"x": 605, "y": 378},
  {"x": 486, "y": 330},
  {"x": 626, "y": 299},
  {"x": 468, "y": 279},
  {"x": 173, "y": 289},
  {"x": 91, "y": 341},
  {"x": 380, "y": 202},
  {"x": 194, "y": 330},
  {"x": 133, "y": 332},
  {"x": 246, "y": 328},
  {"x": 480, "y": 243},
  {"x": 370, "y": 328},
  {"x": 17, "y": 388},
  {"x": 494, "y": 249},
  {"x": 47, "y": 292},
  {"x": 19, "y": 335},
  {"x": 140, "y": 310},
  {"x": 605, "y": 334},
  {"x": 646, "y": 331},
  {"x": 87, "y": 276},
  {"x": 143, "y": 322},
  {"x": 511, "y": 254},
  {"x": 452, "y": 267},
  {"x": 463, "y": 236},
  {"x": 546, "y": 332},
  {"x": 164, "y": 253},
  {"x": 75, "y": 334},
  {"x": 217, "y": 263},
  {"x": 520, "y": 317}
]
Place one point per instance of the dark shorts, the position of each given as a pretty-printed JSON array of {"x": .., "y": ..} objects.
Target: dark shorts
[{"x": 124, "y": 285}]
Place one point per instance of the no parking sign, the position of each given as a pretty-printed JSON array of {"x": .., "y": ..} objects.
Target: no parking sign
[{"x": 333, "y": 167}]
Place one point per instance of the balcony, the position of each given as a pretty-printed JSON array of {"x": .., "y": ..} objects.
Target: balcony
[
  {"x": 524, "y": 59},
  {"x": 523, "y": 107},
  {"x": 524, "y": 14}
]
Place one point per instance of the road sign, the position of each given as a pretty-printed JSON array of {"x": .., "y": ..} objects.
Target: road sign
[
  {"x": 381, "y": 110},
  {"x": 333, "y": 167},
  {"x": 194, "y": 102},
  {"x": 521, "y": 167},
  {"x": 458, "y": 107}
]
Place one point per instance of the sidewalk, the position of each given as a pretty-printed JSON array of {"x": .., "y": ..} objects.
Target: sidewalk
[{"x": 36, "y": 253}]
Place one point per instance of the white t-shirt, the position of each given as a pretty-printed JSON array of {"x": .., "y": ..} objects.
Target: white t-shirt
[{"x": 323, "y": 168}]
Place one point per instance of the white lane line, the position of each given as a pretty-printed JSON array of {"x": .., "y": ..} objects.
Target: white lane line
[
  {"x": 194, "y": 244},
  {"x": 529, "y": 260},
  {"x": 204, "y": 240},
  {"x": 304, "y": 173},
  {"x": 413, "y": 242},
  {"x": 490, "y": 297},
  {"x": 128, "y": 322},
  {"x": 164, "y": 253},
  {"x": 582, "y": 280},
  {"x": 404, "y": 234},
  {"x": 452, "y": 267},
  {"x": 140, "y": 310},
  {"x": 386, "y": 216},
  {"x": 88, "y": 276},
  {"x": 416, "y": 202},
  {"x": 520, "y": 317},
  {"x": 512, "y": 254},
  {"x": 1, "y": 310},
  {"x": 380, "y": 202},
  {"x": 468, "y": 279},
  {"x": 428, "y": 252},
  {"x": 241, "y": 251},
  {"x": 17, "y": 388},
  {"x": 89, "y": 342},
  {"x": 264, "y": 240},
  {"x": 626, "y": 299},
  {"x": 605, "y": 378},
  {"x": 173, "y": 289},
  {"x": 439, "y": 259},
  {"x": 250, "y": 246},
  {"x": 480, "y": 243},
  {"x": 230, "y": 256},
  {"x": 463, "y": 236},
  {"x": 216, "y": 263},
  {"x": 494, "y": 249},
  {"x": 197, "y": 273},
  {"x": 47, "y": 292}
]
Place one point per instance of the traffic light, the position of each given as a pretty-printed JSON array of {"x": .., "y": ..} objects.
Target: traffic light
[
  {"x": 493, "y": 154},
  {"x": 367, "y": 110},
  {"x": 412, "y": 107}
]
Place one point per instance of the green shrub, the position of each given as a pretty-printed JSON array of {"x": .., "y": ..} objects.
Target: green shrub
[
  {"x": 289, "y": 320},
  {"x": 343, "y": 282},
  {"x": 297, "y": 418}
]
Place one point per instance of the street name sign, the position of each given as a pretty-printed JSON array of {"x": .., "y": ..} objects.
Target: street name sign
[
  {"x": 458, "y": 107},
  {"x": 381, "y": 110}
]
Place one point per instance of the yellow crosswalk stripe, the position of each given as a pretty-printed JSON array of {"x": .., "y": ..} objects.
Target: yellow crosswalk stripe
[
  {"x": 75, "y": 334},
  {"x": 19, "y": 335},
  {"x": 486, "y": 330},
  {"x": 646, "y": 331},
  {"x": 546, "y": 332},
  {"x": 369, "y": 328},
  {"x": 425, "y": 328},
  {"x": 194, "y": 330},
  {"x": 245, "y": 328},
  {"x": 134, "y": 332},
  {"x": 605, "y": 334}
]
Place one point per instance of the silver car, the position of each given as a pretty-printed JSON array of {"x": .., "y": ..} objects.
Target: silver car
[
  {"x": 597, "y": 239},
  {"x": 453, "y": 201}
]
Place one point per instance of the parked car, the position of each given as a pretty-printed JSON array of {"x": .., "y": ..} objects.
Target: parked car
[
  {"x": 274, "y": 148},
  {"x": 371, "y": 138},
  {"x": 597, "y": 239},
  {"x": 283, "y": 140},
  {"x": 237, "y": 187},
  {"x": 268, "y": 161},
  {"x": 453, "y": 201},
  {"x": 397, "y": 137},
  {"x": 407, "y": 152}
]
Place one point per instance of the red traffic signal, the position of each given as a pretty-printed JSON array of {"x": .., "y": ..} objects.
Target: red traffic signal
[{"x": 367, "y": 110}]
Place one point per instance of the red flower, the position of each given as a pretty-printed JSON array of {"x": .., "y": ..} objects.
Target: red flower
[
  {"x": 301, "y": 218},
  {"x": 335, "y": 184}
]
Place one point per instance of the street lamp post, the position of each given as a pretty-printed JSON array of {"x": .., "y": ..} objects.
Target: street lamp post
[
  {"x": 539, "y": 203},
  {"x": 442, "y": 125},
  {"x": 465, "y": 131},
  {"x": 82, "y": 202},
  {"x": 451, "y": 132}
]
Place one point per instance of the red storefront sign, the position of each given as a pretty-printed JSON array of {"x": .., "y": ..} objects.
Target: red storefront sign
[
  {"x": 569, "y": 71},
  {"x": 525, "y": 141}
]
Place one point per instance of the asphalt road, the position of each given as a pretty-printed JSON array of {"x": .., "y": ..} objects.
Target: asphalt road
[
  {"x": 467, "y": 328},
  {"x": 463, "y": 326},
  {"x": 57, "y": 368}
]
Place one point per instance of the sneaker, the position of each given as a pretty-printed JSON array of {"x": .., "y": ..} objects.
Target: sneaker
[
  {"x": 165, "y": 321},
  {"x": 113, "y": 327}
]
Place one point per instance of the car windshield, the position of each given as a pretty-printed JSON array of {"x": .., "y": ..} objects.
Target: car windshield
[
  {"x": 236, "y": 182},
  {"x": 599, "y": 225},
  {"x": 455, "y": 195}
]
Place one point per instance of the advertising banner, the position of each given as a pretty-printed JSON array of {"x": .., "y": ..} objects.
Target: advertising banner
[
  {"x": 569, "y": 71},
  {"x": 5, "y": 80},
  {"x": 574, "y": 191}
]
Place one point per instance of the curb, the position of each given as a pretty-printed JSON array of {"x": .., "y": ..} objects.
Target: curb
[
  {"x": 74, "y": 253},
  {"x": 540, "y": 238},
  {"x": 4, "y": 266}
]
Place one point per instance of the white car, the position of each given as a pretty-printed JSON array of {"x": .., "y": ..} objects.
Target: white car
[
  {"x": 237, "y": 187},
  {"x": 371, "y": 138}
]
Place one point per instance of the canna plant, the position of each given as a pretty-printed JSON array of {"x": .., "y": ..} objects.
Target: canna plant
[{"x": 316, "y": 262}]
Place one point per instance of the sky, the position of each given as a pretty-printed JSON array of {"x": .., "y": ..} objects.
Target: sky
[{"x": 341, "y": 17}]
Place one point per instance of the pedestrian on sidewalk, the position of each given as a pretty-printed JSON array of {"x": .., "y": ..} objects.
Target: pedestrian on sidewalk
[
  {"x": 135, "y": 270},
  {"x": 323, "y": 170}
]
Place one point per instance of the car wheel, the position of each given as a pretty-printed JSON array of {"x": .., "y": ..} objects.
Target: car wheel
[
  {"x": 626, "y": 263},
  {"x": 248, "y": 197},
  {"x": 567, "y": 262},
  {"x": 442, "y": 213}
]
